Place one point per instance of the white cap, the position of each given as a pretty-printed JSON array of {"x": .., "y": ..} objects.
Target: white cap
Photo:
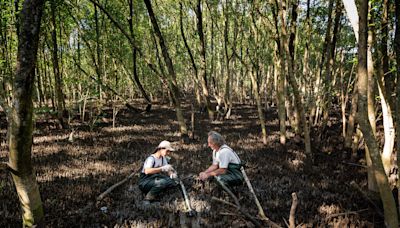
[{"x": 165, "y": 145}]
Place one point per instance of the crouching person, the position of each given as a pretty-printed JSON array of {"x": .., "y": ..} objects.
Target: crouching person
[
  {"x": 226, "y": 163},
  {"x": 156, "y": 173}
]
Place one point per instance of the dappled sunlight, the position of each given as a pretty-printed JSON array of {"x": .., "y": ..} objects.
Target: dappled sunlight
[
  {"x": 49, "y": 138},
  {"x": 327, "y": 210},
  {"x": 123, "y": 128},
  {"x": 136, "y": 128},
  {"x": 78, "y": 170}
]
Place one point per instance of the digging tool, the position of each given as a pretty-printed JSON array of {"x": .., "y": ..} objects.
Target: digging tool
[
  {"x": 190, "y": 211},
  {"x": 260, "y": 209}
]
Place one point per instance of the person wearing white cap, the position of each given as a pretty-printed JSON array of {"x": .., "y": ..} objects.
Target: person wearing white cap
[{"x": 157, "y": 174}]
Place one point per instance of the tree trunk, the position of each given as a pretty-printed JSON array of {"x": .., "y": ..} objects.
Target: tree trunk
[
  {"x": 60, "y": 106},
  {"x": 259, "y": 106},
  {"x": 134, "y": 56},
  {"x": 397, "y": 113},
  {"x": 292, "y": 39},
  {"x": 388, "y": 127},
  {"x": 385, "y": 71},
  {"x": 293, "y": 83},
  {"x": 172, "y": 84},
  {"x": 385, "y": 91},
  {"x": 389, "y": 205},
  {"x": 227, "y": 92},
  {"x": 372, "y": 185},
  {"x": 329, "y": 65},
  {"x": 280, "y": 77},
  {"x": 21, "y": 125},
  {"x": 321, "y": 83},
  {"x": 203, "y": 65}
]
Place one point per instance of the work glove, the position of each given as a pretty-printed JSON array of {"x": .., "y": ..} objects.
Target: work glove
[
  {"x": 167, "y": 168},
  {"x": 173, "y": 175}
]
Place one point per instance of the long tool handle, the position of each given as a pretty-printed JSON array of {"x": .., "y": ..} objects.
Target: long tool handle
[
  {"x": 187, "y": 202},
  {"x": 260, "y": 209}
]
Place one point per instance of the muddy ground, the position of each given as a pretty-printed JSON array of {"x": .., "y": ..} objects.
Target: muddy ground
[{"x": 71, "y": 174}]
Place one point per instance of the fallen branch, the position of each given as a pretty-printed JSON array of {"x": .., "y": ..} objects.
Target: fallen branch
[
  {"x": 228, "y": 191},
  {"x": 354, "y": 164},
  {"x": 293, "y": 211},
  {"x": 251, "y": 218},
  {"x": 110, "y": 189},
  {"x": 345, "y": 213},
  {"x": 378, "y": 210},
  {"x": 229, "y": 214}
]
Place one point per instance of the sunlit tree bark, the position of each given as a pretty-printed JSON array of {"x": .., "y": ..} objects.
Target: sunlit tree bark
[
  {"x": 372, "y": 185},
  {"x": 21, "y": 123},
  {"x": 397, "y": 115},
  {"x": 389, "y": 205}
]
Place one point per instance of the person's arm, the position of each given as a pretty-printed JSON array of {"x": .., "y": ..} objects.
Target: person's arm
[
  {"x": 148, "y": 171},
  {"x": 213, "y": 170},
  {"x": 216, "y": 172}
]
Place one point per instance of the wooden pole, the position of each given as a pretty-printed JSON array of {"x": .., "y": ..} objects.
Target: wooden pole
[{"x": 260, "y": 209}]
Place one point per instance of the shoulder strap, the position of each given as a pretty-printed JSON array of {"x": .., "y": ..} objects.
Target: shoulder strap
[
  {"x": 154, "y": 161},
  {"x": 227, "y": 147}
]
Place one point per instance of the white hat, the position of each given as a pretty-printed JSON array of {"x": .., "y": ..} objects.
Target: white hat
[{"x": 165, "y": 145}]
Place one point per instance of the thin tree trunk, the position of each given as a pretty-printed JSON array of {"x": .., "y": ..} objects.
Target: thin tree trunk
[
  {"x": 99, "y": 63},
  {"x": 134, "y": 56},
  {"x": 203, "y": 65},
  {"x": 280, "y": 77},
  {"x": 227, "y": 93},
  {"x": 259, "y": 106},
  {"x": 292, "y": 39},
  {"x": 56, "y": 70},
  {"x": 397, "y": 113},
  {"x": 172, "y": 84},
  {"x": 293, "y": 83},
  {"x": 306, "y": 64},
  {"x": 388, "y": 127},
  {"x": 319, "y": 90},
  {"x": 21, "y": 125},
  {"x": 372, "y": 185},
  {"x": 329, "y": 67},
  {"x": 352, "y": 117},
  {"x": 385, "y": 71},
  {"x": 390, "y": 212},
  {"x": 385, "y": 89}
]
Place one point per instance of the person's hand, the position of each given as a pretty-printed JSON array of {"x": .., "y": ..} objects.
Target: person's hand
[
  {"x": 173, "y": 175},
  {"x": 203, "y": 176},
  {"x": 167, "y": 168}
]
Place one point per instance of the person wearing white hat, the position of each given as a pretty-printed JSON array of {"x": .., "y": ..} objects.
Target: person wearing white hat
[{"x": 157, "y": 174}]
